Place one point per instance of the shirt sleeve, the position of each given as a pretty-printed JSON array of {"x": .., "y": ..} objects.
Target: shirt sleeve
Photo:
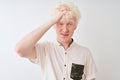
[
  {"x": 90, "y": 68},
  {"x": 41, "y": 51}
]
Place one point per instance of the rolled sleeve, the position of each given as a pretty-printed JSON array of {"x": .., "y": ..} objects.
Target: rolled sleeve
[
  {"x": 90, "y": 69},
  {"x": 40, "y": 54}
]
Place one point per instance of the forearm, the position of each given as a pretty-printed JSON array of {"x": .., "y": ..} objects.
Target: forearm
[
  {"x": 26, "y": 46},
  {"x": 33, "y": 37}
]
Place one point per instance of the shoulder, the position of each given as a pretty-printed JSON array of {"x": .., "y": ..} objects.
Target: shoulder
[
  {"x": 85, "y": 51},
  {"x": 81, "y": 47},
  {"x": 45, "y": 44}
]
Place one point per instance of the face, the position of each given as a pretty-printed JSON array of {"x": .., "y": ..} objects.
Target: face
[{"x": 65, "y": 29}]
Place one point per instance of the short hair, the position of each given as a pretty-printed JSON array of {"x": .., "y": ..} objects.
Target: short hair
[{"x": 72, "y": 10}]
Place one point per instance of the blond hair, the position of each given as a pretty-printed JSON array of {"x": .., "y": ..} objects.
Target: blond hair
[{"x": 72, "y": 11}]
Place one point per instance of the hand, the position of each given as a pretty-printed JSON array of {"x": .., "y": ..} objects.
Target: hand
[{"x": 57, "y": 15}]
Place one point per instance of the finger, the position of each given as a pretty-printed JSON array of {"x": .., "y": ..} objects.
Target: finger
[{"x": 64, "y": 12}]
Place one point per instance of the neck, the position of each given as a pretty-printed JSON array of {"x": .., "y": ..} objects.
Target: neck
[{"x": 65, "y": 44}]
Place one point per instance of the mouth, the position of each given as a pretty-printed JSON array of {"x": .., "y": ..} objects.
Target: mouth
[{"x": 65, "y": 34}]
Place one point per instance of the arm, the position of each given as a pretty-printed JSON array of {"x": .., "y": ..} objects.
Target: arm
[
  {"x": 26, "y": 46},
  {"x": 91, "y": 69}
]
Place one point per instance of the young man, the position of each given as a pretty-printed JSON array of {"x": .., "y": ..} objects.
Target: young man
[{"x": 63, "y": 59}]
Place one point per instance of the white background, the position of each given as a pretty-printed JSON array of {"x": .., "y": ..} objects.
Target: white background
[{"x": 98, "y": 29}]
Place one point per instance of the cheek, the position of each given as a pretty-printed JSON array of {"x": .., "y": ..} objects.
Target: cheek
[
  {"x": 58, "y": 30},
  {"x": 72, "y": 31}
]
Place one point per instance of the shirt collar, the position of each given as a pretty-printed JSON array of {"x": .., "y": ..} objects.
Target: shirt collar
[{"x": 58, "y": 43}]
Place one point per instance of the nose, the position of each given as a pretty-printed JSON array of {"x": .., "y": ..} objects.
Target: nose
[{"x": 65, "y": 29}]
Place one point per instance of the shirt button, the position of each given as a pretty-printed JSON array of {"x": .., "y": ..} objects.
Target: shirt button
[
  {"x": 65, "y": 65},
  {"x": 63, "y": 78},
  {"x": 65, "y": 53}
]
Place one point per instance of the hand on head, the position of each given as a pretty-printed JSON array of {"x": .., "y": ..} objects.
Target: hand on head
[
  {"x": 57, "y": 15},
  {"x": 65, "y": 10}
]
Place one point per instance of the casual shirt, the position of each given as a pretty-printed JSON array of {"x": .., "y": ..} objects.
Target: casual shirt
[{"x": 56, "y": 63}]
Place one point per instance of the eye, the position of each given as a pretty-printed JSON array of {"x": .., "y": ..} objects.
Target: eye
[
  {"x": 70, "y": 24},
  {"x": 60, "y": 24}
]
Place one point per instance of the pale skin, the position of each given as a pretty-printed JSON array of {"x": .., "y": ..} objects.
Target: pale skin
[
  {"x": 26, "y": 46},
  {"x": 64, "y": 29}
]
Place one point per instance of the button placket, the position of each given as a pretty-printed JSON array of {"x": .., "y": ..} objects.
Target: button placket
[{"x": 65, "y": 66}]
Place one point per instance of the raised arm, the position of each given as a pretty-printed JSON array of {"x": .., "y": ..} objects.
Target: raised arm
[{"x": 26, "y": 46}]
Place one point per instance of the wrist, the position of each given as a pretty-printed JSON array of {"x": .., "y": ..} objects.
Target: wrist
[{"x": 50, "y": 23}]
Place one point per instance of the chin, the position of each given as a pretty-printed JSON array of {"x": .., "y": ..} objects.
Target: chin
[{"x": 64, "y": 39}]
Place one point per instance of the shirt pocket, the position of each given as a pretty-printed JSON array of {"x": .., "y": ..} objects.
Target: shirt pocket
[{"x": 77, "y": 70}]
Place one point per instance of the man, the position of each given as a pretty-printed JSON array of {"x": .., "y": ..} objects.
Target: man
[{"x": 63, "y": 59}]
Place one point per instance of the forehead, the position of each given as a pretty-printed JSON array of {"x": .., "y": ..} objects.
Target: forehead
[{"x": 67, "y": 20}]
